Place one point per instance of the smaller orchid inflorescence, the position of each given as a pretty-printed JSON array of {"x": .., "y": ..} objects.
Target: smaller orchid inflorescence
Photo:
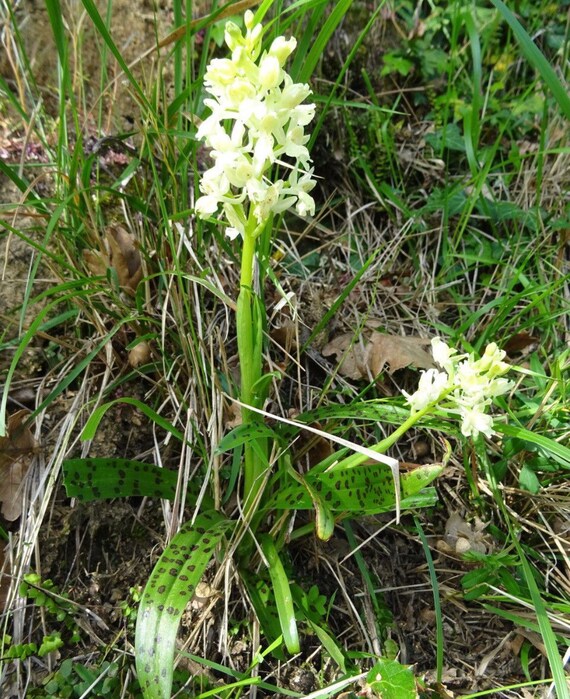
[
  {"x": 467, "y": 385},
  {"x": 266, "y": 117}
]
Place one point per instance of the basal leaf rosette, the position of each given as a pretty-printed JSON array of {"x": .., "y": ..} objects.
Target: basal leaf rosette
[{"x": 257, "y": 122}]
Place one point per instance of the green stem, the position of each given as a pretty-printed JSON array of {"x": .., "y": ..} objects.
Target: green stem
[
  {"x": 383, "y": 446},
  {"x": 249, "y": 349}
]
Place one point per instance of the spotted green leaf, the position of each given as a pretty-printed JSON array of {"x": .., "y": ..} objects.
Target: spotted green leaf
[
  {"x": 168, "y": 590},
  {"x": 97, "y": 479},
  {"x": 100, "y": 479},
  {"x": 365, "y": 489},
  {"x": 324, "y": 518},
  {"x": 262, "y": 599}
]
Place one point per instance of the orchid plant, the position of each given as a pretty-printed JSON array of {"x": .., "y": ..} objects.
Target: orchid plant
[
  {"x": 257, "y": 119},
  {"x": 261, "y": 167}
]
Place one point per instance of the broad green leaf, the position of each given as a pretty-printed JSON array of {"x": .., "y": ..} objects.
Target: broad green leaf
[
  {"x": 244, "y": 434},
  {"x": 168, "y": 590},
  {"x": 359, "y": 490},
  {"x": 329, "y": 644},
  {"x": 391, "y": 680},
  {"x": 95, "y": 418}
]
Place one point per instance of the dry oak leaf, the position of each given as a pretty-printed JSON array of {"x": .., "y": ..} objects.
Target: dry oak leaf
[
  {"x": 124, "y": 257},
  {"x": 361, "y": 361},
  {"x": 17, "y": 450},
  {"x": 96, "y": 262}
]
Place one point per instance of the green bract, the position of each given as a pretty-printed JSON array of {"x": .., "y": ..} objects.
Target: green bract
[{"x": 265, "y": 108}]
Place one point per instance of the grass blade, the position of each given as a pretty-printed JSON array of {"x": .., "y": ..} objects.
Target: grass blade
[
  {"x": 536, "y": 58},
  {"x": 318, "y": 45},
  {"x": 555, "y": 449},
  {"x": 436, "y": 600}
]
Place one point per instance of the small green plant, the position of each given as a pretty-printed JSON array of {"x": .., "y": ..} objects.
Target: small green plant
[
  {"x": 45, "y": 594},
  {"x": 73, "y": 680}
]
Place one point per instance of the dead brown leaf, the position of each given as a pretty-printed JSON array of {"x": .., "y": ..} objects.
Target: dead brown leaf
[
  {"x": 519, "y": 342},
  {"x": 398, "y": 352},
  {"x": 125, "y": 257},
  {"x": 352, "y": 354},
  {"x": 381, "y": 350},
  {"x": 96, "y": 262},
  {"x": 17, "y": 449}
]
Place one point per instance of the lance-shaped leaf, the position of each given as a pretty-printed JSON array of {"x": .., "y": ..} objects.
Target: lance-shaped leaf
[
  {"x": 283, "y": 595},
  {"x": 168, "y": 590},
  {"x": 365, "y": 489},
  {"x": 100, "y": 479}
]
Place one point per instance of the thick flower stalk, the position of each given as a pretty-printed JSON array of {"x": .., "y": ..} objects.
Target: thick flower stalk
[
  {"x": 465, "y": 386},
  {"x": 256, "y": 129}
]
